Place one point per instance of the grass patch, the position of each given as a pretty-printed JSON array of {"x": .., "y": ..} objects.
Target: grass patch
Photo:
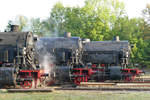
[{"x": 76, "y": 95}]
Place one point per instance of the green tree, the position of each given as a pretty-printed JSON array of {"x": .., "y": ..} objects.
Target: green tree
[
  {"x": 55, "y": 23},
  {"x": 36, "y": 26},
  {"x": 94, "y": 20},
  {"x": 146, "y": 35},
  {"x": 8, "y": 27},
  {"x": 146, "y": 26}
]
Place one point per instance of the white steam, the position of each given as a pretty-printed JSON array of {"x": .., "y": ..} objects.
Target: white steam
[
  {"x": 47, "y": 63},
  {"x": 46, "y": 60}
]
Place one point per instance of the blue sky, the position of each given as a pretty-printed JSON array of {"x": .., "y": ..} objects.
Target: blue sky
[{"x": 9, "y": 9}]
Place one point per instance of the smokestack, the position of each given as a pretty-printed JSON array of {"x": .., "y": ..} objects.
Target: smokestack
[
  {"x": 116, "y": 38},
  {"x": 67, "y": 34},
  {"x": 14, "y": 28}
]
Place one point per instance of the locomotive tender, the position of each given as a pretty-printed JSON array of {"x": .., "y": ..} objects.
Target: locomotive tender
[{"x": 81, "y": 60}]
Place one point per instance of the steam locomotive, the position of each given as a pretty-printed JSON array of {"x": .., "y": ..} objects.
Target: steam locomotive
[
  {"x": 26, "y": 63},
  {"x": 18, "y": 65},
  {"x": 80, "y": 60}
]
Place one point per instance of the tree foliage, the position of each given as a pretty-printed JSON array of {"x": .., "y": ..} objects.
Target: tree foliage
[{"x": 94, "y": 20}]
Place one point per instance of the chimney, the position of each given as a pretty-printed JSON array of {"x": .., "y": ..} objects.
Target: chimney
[
  {"x": 14, "y": 28},
  {"x": 116, "y": 38},
  {"x": 67, "y": 34}
]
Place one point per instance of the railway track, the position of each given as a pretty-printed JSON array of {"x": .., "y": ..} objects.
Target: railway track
[
  {"x": 102, "y": 84},
  {"x": 97, "y": 86},
  {"x": 27, "y": 90},
  {"x": 79, "y": 89},
  {"x": 105, "y": 89}
]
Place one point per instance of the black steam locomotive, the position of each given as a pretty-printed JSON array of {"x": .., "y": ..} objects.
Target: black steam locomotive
[
  {"x": 65, "y": 59},
  {"x": 81, "y": 60},
  {"x": 17, "y": 59}
]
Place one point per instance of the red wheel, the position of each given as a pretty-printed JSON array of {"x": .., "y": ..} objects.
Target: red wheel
[
  {"x": 77, "y": 80},
  {"x": 26, "y": 84}
]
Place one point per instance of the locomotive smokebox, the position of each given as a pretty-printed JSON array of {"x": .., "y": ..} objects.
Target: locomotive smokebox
[{"x": 14, "y": 28}]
